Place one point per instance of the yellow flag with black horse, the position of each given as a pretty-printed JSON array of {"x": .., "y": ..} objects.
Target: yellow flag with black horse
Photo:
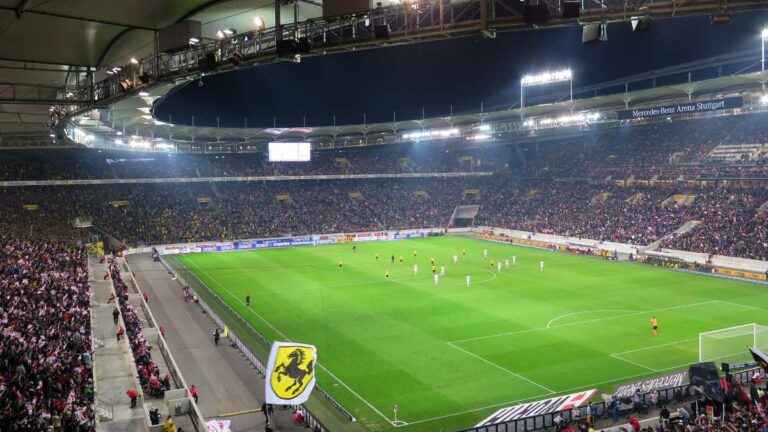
[{"x": 290, "y": 373}]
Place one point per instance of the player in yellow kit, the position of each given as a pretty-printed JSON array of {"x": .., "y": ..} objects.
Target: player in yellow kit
[{"x": 654, "y": 326}]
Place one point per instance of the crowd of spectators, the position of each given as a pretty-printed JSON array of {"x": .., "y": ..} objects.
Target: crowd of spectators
[
  {"x": 149, "y": 372},
  {"x": 72, "y": 164},
  {"x": 732, "y": 216},
  {"x": 662, "y": 151},
  {"x": 46, "y": 379},
  {"x": 733, "y": 224},
  {"x": 612, "y": 184}
]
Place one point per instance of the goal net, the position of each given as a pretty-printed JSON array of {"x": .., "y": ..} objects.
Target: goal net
[{"x": 732, "y": 344}]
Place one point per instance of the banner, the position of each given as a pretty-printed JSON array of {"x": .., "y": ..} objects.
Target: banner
[
  {"x": 681, "y": 108},
  {"x": 676, "y": 379},
  {"x": 548, "y": 406},
  {"x": 290, "y": 376}
]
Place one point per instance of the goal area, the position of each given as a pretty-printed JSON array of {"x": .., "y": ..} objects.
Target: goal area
[{"x": 732, "y": 344}]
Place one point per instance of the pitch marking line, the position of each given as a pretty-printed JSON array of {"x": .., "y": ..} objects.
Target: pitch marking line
[
  {"x": 376, "y": 410},
  {"x": 617, "y": 357},
  {"x": 655, "y": 346},
  {"x": 584, "y": 322},
  {"x": 549, "y": 324},
  {"x": 488, "y": 362}
]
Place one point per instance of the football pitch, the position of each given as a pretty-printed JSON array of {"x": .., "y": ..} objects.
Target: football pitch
[{"x": 449, "y": 355}]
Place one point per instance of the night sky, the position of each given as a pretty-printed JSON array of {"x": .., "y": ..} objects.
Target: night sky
[{"x": 435, "y": 75}]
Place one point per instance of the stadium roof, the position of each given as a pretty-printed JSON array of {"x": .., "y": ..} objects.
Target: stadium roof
[
  {"x": 131, "y": 119},
  {"x": 47, "y": 45}
]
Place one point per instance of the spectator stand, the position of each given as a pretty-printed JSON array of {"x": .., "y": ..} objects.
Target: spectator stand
[
  {"x": 113, "y": 367},
  {"x": 255, "y": 338},
  {"x": 178, "y": 401}
]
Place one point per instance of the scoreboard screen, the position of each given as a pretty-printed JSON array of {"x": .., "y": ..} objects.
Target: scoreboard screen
[{"x": 289, "y": 152}]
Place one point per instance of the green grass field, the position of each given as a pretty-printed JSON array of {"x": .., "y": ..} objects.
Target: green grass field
[{"x": 449, "y": 355}]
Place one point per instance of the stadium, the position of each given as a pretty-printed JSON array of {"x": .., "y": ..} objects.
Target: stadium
[{"x": 406, "y": 215}]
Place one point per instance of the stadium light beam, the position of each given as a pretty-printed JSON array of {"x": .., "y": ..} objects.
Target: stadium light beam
[
  {"x": 259, "y": 23},
  {"x": 544, "y": 78},
  {"x": 763, "y": 37}
]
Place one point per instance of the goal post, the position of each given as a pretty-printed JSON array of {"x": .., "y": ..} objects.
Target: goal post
[{"x": 732, "y": 343}]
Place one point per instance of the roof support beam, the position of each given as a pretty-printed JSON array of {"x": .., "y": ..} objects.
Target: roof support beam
[
  {"x": 76, "y": 18},
  {"x": 26, "y": 68},
  {"x": 42, "y": 62},
  {"x": 111, "y": 43},
  {"x": 47, "y": 102},
  {"x": 20, "y": 8}
]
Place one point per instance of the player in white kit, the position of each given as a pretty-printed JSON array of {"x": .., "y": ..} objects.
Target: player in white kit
[
  {"x": 455, "y": 259},
  {"x": 485, "y": 253},
  {"x": 541, "y": 265},
  {"x": 436, "y": 278},
  {"x": 442, "y": 270},
  {"x": 498, "y": 266},
  {"x": 506, "y": 263},
  {"x": 469, "y": 281},
  {"x": 415, "y": 268},
  {"x": 514, "y": 260}
]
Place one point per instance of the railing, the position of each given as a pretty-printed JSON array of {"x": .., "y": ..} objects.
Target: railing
[
  {"x": 195, "y": 415},
  {"x": 599, "y": 410},
  {"x": 206, "y": 296}
]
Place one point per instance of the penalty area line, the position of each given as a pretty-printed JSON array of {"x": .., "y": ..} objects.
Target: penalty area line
[
  {"x": 278, "y": 331},
  {"x": 497, "y": 366},
  {"x": 549, "y": 324},
  {"x": 535, "y": 329},
  {"x": 640, "y": 365}
]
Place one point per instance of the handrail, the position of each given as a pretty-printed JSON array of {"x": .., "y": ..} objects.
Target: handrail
[{"x": 196, "y": 416}]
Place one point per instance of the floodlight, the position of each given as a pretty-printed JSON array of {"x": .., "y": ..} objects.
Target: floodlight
[
  {"x": 134, "y": 61},
  {"x": 220, "y": 34},
  {"x": 258, "y": 22},
  {"x": 764, "y": 33},
  {"x": 547, "y": 77},
  {"x": 143, "y": 94},
  {"x": 194, "y": 41},
  {"x": 764, "y": 99},
  {"x": 479, "y": 137}
]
